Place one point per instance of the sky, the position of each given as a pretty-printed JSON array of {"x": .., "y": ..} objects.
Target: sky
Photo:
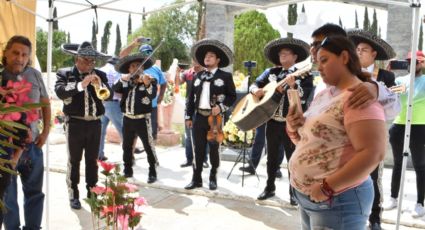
[{"x": 80, "y": 25}]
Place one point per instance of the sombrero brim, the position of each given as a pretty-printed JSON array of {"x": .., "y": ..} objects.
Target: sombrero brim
[
  {"x": 383, "y": 50},
  {"x": 72, "y": 49},
  {"x": 299, "y": 47},
  {"x": 211, "y": 45},
  {"x": 124, "y": 63}
]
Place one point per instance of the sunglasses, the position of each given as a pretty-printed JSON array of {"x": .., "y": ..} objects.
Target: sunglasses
[{"x": 315, "y": 44}]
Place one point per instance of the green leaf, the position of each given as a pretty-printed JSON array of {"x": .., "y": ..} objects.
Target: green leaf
[
  {"x": 4, "y": 143},
  {"x": 13, "y": 124},
  {"x": 8, "y": 170},
  {"x": 8, "y": 134}
]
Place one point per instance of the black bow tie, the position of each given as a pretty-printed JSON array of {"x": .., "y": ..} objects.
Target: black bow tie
[{"x": 207, "y": 76}]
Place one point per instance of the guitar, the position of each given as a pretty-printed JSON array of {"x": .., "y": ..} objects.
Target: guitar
[{"x": 252, "y": 111}]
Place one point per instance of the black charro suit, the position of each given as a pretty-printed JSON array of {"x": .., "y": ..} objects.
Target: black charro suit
[
  {"x": 223, "y": 92},
  {"x": 388, "y": 78}
]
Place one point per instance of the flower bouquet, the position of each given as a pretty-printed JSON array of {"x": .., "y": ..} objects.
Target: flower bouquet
[
  {"x": 116, "y": 203},
  {"x": 233, "y": 136}
]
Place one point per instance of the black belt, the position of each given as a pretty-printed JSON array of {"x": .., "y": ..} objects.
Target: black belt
[{"x": 204, "y": 112}]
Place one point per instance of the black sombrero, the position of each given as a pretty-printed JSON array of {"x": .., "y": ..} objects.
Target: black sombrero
[
  {"x": 383, "y": 49},
  {"x": 299, "y": 47},
  {"x": 203, "y": 46},
  {"x": 124, "y": 63},
  {"x": 84, "y": 49}
]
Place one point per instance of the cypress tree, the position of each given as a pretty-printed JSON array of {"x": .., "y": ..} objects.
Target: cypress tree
[
  {"x": 129, "y": 25},
  {"x": 68, "y": 40},
  {"x": 118, "y": 41},
  {"x": 357, "y": 20},
  {"x": 94, "y": 35},
  {"x": 55, "y": 21},
  {"x": 366, "y": 23},
  {"x": 340, "y": 22},
  {"x": 292, "y": 16},
  {"x": 374, "y": 27},
  {"x": 303, "y": 9},
  {"x": 105, "y": 37}
]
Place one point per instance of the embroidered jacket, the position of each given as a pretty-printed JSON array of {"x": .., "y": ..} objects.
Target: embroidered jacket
[
  {"x": 304, "y": 85},
  {"x": 79, "y": 103},
  {"x": 136, "y": 99},
  {"x": 221, "y": 86}
]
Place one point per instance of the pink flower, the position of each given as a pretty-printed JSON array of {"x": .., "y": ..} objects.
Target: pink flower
[
  {"x": 98, "y": 190},
  {"x": 140, "y": 201},
  {"x": 134, "y": 213},
  {"x": 109, "y": 190},
  {"x": 107, "y": 167},
  {"x": 130, "y": 187},
  {"x": 123, "y": 221}
]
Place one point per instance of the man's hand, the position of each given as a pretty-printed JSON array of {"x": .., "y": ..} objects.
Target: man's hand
[
  {"x": 215, "y": 110},
  {"x": 363, "y": 95},
  {"x": 398, "y": 89},
  {"x": 125, "y": 77},
  {"x": 188, "y": 123},
  {"x": 87, "y": 80},
  {"x": 41, "y": 139},
  {"x": 146, "y": 79},
  {"x": 290, "y": 80},
  {"x": 259, "y": 93}
]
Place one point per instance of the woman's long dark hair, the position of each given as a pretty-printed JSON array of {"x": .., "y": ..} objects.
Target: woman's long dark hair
[{"x": 336, "y": 44}]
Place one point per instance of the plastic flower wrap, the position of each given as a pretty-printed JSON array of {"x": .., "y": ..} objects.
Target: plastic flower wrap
[
  {"x": 234, "y": 136},
  {"x": 240, "y": 81},
  {"x": 116, "y": 202},
  {"x": 168, "y": 95}
]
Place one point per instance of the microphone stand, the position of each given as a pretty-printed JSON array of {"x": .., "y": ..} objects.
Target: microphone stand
[{"x": 242, "y": 153}]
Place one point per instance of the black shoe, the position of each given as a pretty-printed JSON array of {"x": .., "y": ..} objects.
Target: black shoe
[
  {"x": 205, "y": 165},
  {"x": 193, "y": 185},
  {"x": 128, "y": 172},
  {"x": 187, "y": 164},
  {"x": 266, "y": 195},
  {"x": 375, "y": 226},
  {"x": 138, "y": 150},
  {"x": 278, "y": 174},
  {"x": 103, "y": 158},
  {"x": 213, "y": 185},
  {"x": 248, "y": 169},
  {"x": 151, "y": 179},
  {"x": 75, "y": 204},
  {"x": 293, "y": 202}
]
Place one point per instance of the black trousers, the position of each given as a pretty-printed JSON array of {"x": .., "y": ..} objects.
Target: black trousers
[
  {"x": 200, "y": 130},
  {"x": 376, "y": 175},
  {"x": 276, "y": 136},
  {"x": 143, "y": 129},
  {"x": 82, "y": 136},
  {"x": 417, "y": 149}
]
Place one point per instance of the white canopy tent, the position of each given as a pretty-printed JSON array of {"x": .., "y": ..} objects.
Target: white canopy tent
[{"x": 413, "y": 4}]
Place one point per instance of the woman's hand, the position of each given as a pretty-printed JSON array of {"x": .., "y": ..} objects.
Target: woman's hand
[
  {"x": 316, "y": 193},
  {"x": 294, "y": 119}
]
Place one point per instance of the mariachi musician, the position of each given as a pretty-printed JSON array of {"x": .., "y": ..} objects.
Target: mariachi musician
[
  {"x": 82, "y": 89},
  {"x": 284, "y": 53},
  {"x": 138, "y": 90},
  {"x": 370, "y": 48},
  {"x": 213, "y": 92}
]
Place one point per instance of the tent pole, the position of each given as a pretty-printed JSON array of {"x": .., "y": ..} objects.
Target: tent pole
[
  {"x": 49, "y": 72},
  {"x": 415, "y": 10}
]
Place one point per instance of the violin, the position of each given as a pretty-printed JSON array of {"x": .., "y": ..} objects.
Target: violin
[{"x": 215, "y": 133}]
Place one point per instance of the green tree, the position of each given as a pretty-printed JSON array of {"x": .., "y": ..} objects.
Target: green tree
[
  {"x": 105, "y": 38},
  {"x": 356, "y": 25},
  {"x": 68, "y": 39},
  {"x": 340, "y": 22},
  {"x": 118, "y": 41},
  {"x": 421, "y": 37},
  {"x": 129, "y": 25},
  {"x": 292, "y": 16},
  {"x": 303, "y": 9},
  {"x": 55, "y": 22},
  {"x": 366, "y": 22},
  {"x": 181, "y": 27},
  {"x": 252, "y": 33},
  {"x": 379, "y": 32},
  {"x": 94, "y": 34},
  {"x": 374, "y": 27},
  {"x": 58, "y": 57}
]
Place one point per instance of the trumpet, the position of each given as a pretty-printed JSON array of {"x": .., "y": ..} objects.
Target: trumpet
[{"x": 101, "y": 91}]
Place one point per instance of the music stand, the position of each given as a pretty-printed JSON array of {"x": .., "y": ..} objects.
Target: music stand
[{"x": 242, "y": 153}]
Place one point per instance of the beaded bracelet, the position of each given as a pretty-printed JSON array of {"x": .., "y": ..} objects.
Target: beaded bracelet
[{"x": 326, "y": 189}]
